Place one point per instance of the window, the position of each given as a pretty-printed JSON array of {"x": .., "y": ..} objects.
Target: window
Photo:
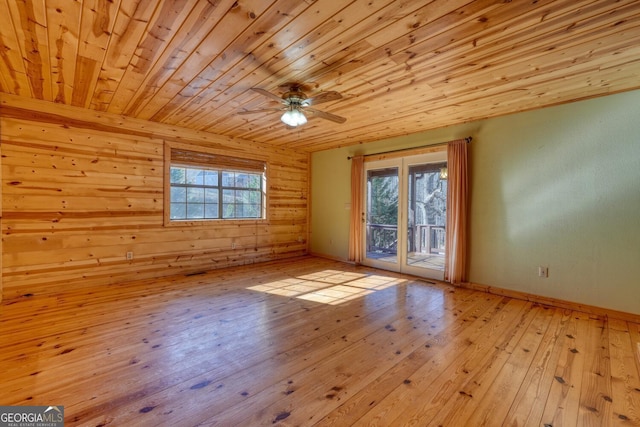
[{"x": 205, "y": 186}]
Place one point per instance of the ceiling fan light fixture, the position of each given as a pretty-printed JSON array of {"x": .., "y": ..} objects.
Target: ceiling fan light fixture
[
  {"x": 295, "y": 104},
  {"x": 293, "y": 117}
]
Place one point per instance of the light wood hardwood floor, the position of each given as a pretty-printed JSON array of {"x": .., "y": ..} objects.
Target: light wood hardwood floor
[{"x": 309, "y": 342}]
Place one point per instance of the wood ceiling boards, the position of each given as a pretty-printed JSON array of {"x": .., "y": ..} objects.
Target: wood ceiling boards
[{"x": 402, "y": 66}]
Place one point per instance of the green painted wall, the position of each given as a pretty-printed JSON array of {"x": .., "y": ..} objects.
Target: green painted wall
[{"x": 558, "y": 187}]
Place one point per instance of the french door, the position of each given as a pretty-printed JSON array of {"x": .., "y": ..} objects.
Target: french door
[{"x": 404, "y": 222}]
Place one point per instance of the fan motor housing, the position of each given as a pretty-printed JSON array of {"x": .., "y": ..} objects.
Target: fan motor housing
[{"x": 294, "y": 96}]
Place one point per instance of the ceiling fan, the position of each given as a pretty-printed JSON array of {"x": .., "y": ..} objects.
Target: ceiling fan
[{"x": 295, "y": 103}]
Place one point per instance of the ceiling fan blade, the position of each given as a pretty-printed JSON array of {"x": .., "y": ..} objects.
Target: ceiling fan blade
[
  {"x": 325, "y": 115},
  {"x": 262, "y": 110},
  {"x": 267, "y": 94},
  {"x": 323, "y": 97}
]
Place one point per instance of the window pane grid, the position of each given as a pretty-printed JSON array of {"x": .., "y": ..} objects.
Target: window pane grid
[{"x": 196, "y": 194}]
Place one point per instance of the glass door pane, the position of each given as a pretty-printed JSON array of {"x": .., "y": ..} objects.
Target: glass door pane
[
  {"x": 426, "y": 219},
  {"x": 405, "y": 213},
  {"x": 381, "y": 230}
]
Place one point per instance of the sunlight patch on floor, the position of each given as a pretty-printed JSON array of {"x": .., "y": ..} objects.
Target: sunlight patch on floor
[{"x": 329, "y": 286}]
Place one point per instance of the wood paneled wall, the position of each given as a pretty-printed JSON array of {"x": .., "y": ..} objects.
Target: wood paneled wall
[{"x": 80, "y": 189}]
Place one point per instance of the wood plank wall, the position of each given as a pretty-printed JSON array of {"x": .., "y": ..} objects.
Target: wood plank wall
[{"x": 80, "y": 189}]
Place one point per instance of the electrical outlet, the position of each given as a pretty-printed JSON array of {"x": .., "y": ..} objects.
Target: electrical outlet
[
  {"x": 543, "y": 271},
  {"x": 233, "y": 245},
  {"x": 129, "y": 256}
]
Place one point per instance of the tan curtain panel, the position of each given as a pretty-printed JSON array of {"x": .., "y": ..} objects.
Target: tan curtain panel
[
  {"x": 355, "y": 223},
  {"x": 455, "y": 264}
]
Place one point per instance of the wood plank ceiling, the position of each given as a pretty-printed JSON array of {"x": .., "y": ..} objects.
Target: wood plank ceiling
[{"x": 402, "y": 66}]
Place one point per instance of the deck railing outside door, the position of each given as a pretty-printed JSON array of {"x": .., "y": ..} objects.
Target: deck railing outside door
[{"x": 423, "y": 238}]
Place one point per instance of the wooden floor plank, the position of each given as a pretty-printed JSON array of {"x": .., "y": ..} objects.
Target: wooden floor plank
[
  {"x": 487, "y": 396},
  {"x": 625, "y": 382},
  {"x": 335, "y": 380},
  {"x": 595, "y": 394},
  {"x": 440, "y": 380},
  {"x": 528, "y": 404},
  {"x": 322, "y": 385},
  {"x": 355, "y": 407},
  {"x": 561, "y": 408},
  {"x": 261, "y": 379},
  {"x": 310, "y": 341},
  {"x": 233, "y": 343}
]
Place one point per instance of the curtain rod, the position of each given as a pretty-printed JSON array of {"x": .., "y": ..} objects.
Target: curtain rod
[{"x": 468, "y": 139}]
